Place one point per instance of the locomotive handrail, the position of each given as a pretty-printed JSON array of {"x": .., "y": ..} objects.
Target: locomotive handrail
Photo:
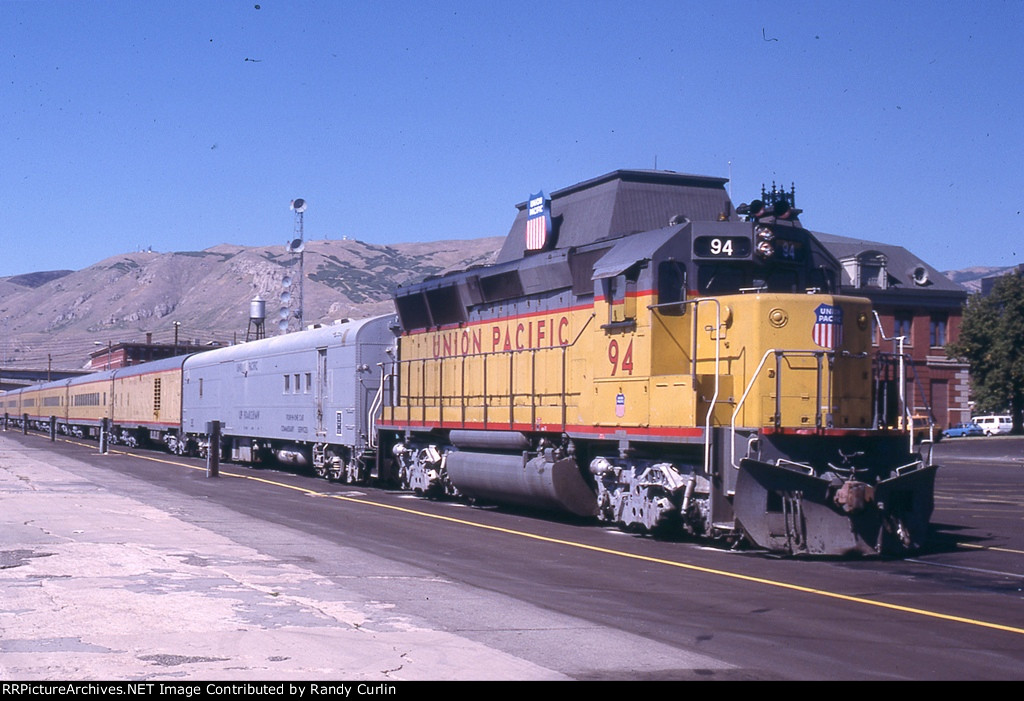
[
  {"x": 693, "y": 361},
  {"x": 739, "y": 405},
  {"x": 782, "y": 462},
  {"x": 718, "y": 375},
  {"x": 779, "y": 353},
  {"x": 904, "y": 407},
  {"x": 484, "y": 355},
  {"x": 375, "y": 406},
  {"x": 910, "y": 467}
]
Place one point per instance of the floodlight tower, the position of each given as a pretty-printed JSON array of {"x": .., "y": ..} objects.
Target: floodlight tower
[{"x": 297, "y": 246}]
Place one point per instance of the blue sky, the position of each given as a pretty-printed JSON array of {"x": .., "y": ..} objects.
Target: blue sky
[{"x": 181, "y": 125}]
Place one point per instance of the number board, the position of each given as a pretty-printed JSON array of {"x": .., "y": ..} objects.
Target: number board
[
  {"x": 721, "y": 247},
  {"x": 788, "y": 249}
]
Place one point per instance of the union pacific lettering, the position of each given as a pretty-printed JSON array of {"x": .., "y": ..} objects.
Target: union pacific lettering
[
  {"x": 531, "y": 333},
  {"x": 506, "y": 336},
  {"x": 448, "y": 344}
]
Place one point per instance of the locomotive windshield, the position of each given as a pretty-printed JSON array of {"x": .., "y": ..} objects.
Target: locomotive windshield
[{"x": 726, "y": 278}]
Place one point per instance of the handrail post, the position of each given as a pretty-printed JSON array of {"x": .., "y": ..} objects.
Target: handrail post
[
  {"x": 777, "y": 419},
  {"x": 817, "y": 401}
]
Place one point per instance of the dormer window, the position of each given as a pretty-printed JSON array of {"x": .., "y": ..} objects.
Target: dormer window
[{"x": 867, "y": 270}]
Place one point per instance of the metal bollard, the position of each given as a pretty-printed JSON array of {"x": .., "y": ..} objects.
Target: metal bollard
[
  {"x": 213, "y": 453},
  {"x": 104, "y": 438},
  {"x": 53, "y": 429}
]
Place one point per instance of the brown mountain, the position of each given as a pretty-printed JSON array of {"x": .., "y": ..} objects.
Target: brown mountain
[
  {"x": 970, "y": 278},
  {"x": 62, "y": 316}
]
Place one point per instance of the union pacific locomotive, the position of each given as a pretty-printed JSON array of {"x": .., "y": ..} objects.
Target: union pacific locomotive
[{"x": 640, "y": 352}]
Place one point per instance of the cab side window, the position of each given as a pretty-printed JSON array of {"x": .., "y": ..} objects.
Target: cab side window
[
  {"x": 671, "y": 282},
  {"x": 620, "y": 293}
]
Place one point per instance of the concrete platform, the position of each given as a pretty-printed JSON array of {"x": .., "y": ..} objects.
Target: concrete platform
[{"x": 99, "y": 585}]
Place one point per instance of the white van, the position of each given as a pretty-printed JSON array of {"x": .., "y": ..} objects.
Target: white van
[{"x": 993, "y": 425}]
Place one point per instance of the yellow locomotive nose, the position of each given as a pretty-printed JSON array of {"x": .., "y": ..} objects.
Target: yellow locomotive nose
[{"x": 797, "y": 361}]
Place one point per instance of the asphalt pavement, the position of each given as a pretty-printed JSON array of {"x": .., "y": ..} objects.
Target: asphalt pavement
[
  {"x": 126, "y": 568},
  {"x": 97, "y": 585}
]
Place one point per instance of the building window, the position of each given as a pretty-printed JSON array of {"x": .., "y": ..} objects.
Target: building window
[
  {"x": 903, "y": 325},
  {"x": 937, "y": 330},
  {"x": 872, "y": 275},
  {"x": 867, "y": 270}
]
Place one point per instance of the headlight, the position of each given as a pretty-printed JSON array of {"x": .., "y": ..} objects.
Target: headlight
[{"x": 764, "y": 236}]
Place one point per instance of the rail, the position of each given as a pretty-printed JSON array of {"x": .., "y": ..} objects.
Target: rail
[
  {"x": 481, "y": 400},
  {"x": 908, "y": 422},
  {"x": 375, "y": 407},
  {"x": 780, "y": 354},
  {"x": 694, "y": 359}
]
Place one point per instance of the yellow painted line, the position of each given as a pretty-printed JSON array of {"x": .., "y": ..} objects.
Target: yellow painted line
[
  {"x": 988, "y": 506},
  {"x": 698, "y": 568},
  {"x": 222, "y": 473},
  {"x": 972, "y": 546},
  {"x": 994, "y": 513},
  {"x": 619, "y": 553}
]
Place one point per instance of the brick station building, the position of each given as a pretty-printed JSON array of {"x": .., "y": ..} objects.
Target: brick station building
[{"x": 915, "y": 301}]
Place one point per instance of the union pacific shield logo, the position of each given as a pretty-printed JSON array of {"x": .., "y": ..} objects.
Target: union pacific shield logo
[
  {"x": 827, "y": 331},
  {"x": 538, "y": 222}
]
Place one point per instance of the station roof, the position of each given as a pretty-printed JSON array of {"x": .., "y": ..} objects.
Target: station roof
[{"x": 901, "y": 264}]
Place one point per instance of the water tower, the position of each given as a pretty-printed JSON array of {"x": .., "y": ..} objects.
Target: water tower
[{"x": 257, "y": 319}]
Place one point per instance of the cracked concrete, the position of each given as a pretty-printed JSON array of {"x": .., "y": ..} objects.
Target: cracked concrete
[{"x": 101, "y": 586}]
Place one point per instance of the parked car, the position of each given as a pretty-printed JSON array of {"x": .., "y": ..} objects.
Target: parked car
[
  {"x": 994, "y": 425},
  {"x": 923, "y": 428},
  {"x": 964, "y": 430}
]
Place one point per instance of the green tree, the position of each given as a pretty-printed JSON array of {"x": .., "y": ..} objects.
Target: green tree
[{"x": 992, "y": 342}]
